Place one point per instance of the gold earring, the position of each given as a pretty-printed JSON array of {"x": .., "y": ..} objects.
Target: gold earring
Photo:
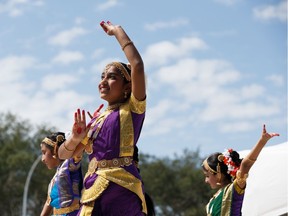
[
  {"x": 125, "y": 94},
  {"x": 218, "y": 174}
]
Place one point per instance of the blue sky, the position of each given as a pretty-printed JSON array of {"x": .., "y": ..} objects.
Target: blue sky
[{"x": 216, "y": 69}]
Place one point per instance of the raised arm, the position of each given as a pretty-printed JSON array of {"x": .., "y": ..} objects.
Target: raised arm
[
  {"x": 138, "y": 87},
  {"x": 249, "y": 160}
]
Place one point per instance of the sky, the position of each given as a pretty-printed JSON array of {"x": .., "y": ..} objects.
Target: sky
[{"x": 216, "y": 69}]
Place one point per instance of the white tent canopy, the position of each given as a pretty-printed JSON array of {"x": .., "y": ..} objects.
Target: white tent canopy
[{"x": 267, "y": 191}]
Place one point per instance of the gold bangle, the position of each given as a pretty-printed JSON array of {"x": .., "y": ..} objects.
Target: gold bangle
[
  {"x": 241, "y": 180},
  {"x": 70, "y": 150},
  {"x": 126, "y": 44}
]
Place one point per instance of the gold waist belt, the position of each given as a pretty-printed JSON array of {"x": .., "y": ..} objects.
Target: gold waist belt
[
  {"x": 115, "y": 162},
  {"x": 74, "y": 206}
]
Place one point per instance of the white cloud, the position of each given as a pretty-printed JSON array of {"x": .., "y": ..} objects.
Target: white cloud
[
  {"x": 269, "y": 12},
  {"x": 55, "y": 82},
  {"x": 252, "y": 91},
  {"x": 239, "y": 126},
  {"x": 164, "y": 51},
  {"x": 15, "y": 8},
  {"x": 237, "y": 109},
  {"x": 108, "y": 4},
  {"x": 163, "y": 118},
  {"x": 214, "y": 90},
  {"x": 79, "y": 20},
  {"x": 197, "y": 80},
  {"x": 66, "y": 57},
  {"x": 13, "y": 67},
  {"x": 277, "y": 80},
  {"x": 98, "y": 67},
  {"x": 159, "y": 111},
  {"x": 49, "y": 99},
  {"x": 64, "y": 38},
  {"x": 162, "y": 25},
  {"x": 97, "y": 53}
]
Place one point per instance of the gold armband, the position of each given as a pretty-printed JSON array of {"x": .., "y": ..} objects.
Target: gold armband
[{"x": 241, "y": 180}]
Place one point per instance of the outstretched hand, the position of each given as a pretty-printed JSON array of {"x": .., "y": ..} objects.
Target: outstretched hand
[
  {"x": 79, "y": 129},
  {"x": 266, "y": 136},
  {"x": 108, "y": 27},
  {"x": 96, "y": 113}
]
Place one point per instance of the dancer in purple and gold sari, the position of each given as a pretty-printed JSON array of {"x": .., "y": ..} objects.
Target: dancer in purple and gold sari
[
  {"x": 112, "y": 184},
  {"x": 228, "y": 173},
  {"x": 65, "y": 187}
]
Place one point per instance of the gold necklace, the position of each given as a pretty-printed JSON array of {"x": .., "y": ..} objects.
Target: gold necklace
[{"x": 113, "y": 106}]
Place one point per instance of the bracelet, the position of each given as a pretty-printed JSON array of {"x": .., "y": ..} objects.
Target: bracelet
[
  {"x": 70, "y": 150},
  {"x": 126, "y": 44},
  {"x": 241, "y": 180},
  {"x": 251, "y": 160}
]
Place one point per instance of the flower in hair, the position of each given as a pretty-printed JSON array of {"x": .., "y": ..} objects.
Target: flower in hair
[{"x": 227, "y": 160}]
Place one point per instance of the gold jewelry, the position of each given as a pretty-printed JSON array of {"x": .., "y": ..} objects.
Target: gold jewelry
[
  {"x": 49, "y": 142},
  {"x": 67, "y": 149},
  {"x": 126, "y": 44},
  {"x": 218, "y": 174},
  {"x": 241, "y": 180},
  {"x": 121, "y": 68},
  {"x": 208, "y": 168},
  {"x": 114, "y": 106}
]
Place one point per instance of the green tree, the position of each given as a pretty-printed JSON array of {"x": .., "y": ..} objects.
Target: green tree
[
  {"x": 19, "y": 149},
  {"x": 176, "y": 185}
]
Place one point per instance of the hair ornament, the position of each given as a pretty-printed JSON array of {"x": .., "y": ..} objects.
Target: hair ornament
[
  {"x": 221, "y": 158},
  {"x": 227, "y": 160},
  {"x": 121, "y": 67},
  {"x": 60, "y": 138}
]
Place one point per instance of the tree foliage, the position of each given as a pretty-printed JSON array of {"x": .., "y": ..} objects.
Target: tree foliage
[
  {"x": 20, "y": 146},
  {"x": 176, "y": 185}
]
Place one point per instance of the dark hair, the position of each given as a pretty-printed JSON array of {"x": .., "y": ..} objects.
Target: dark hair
[
  {"x": 148, "y": 199},
  {"x": 127, "y": 69},
  {"x": 213, "y": 161},
  {"x": 57, "y": 137},
  {"x": 150, "y": 205}
]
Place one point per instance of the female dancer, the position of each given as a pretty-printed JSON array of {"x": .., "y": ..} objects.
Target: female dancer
[
  {"x": 228, "y": 173},
  {"x": 65, "y": 187},
  {"x": 112, "y": 184}
]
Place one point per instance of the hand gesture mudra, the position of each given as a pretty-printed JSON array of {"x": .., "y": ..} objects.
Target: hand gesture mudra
[
  {"x": 79, "y": 129},
  {"x": 266, "y": 136},
  {"x": 108, "y": 27},
  {"x": 96, "y": 113}
]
